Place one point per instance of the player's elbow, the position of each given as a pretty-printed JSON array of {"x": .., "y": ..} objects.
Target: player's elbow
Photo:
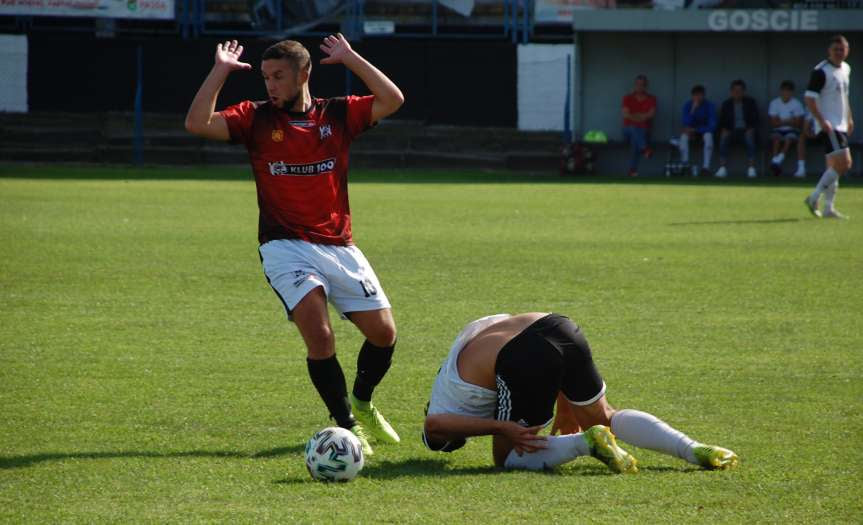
[
  {"x": 436, "y": 429},
  {"x": 395, "y": 101},
  {"x": 432, "y": 426},
  {"x": 191, "y": 126}
]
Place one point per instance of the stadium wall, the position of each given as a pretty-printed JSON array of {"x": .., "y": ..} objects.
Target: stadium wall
[
  {"x": 542, "y": 86},
  {"x": 13, "y": 73},
  {"x": 674, "y": 62},
  {"x": 446, "y": 82}
]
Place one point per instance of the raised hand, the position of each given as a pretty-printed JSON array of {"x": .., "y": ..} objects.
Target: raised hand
[
  {"x": 337, "y": 48},
  {"x": 228, "y": 56}
]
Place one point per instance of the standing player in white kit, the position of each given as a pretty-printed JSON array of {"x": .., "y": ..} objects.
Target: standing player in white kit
[{"x": 827, "y": 101}]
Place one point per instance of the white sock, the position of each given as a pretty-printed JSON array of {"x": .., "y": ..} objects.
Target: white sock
[
  {"x": 830, "y": 195},
  {"x": 779, "y": 158},
  {"x": 829, "y": 177},
  {"x": 646, "y": 431},
  {"x": 708, "y": 149},
  {"x": 684, "y": 148},
  {"x": 560, "y": 450},
  {"x": 801, "y": 165}
]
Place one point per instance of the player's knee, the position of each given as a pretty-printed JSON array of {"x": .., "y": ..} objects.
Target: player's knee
[
  {"x": 842, "y": 165},
  {"x": 383, "y": 335},
  {"x": 320, "y": 341}
]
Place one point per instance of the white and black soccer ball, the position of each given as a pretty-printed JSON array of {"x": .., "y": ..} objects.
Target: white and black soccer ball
[{"x": 334, "y": 454}]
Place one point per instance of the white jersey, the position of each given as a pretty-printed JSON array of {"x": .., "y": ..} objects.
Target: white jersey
[
  {"x": 785, "y": 111},
  {"x": 450, "y": 394},
  {"x": 828, "y": 85}
]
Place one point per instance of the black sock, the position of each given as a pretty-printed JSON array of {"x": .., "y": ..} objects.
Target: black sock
[
  {"x": 372, "y": 364},
  {"x": 328, "y": 378}
]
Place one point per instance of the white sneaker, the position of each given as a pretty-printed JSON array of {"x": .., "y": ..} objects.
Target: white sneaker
[
  {"x": 833, "y": 213},
  {"x": 812, "y": 205},
  {"x": 751, "y": 173},
  {"x": 674, "y": 142},
  {"x": 800, "y": 174},
  {"x": 721, "y": 173}
]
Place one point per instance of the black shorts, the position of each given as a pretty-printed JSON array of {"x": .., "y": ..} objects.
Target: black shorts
[
  {"x": 833, "y": 141},
  {"x": 549, "y": 356},
  {"x": 783, "y": 134}
]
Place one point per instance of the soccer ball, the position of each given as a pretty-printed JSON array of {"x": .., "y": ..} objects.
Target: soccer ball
[{"x": 334, "y": 454}]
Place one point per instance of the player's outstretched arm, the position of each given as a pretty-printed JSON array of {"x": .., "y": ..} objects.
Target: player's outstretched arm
[
  {"x": 446, "y": 427},
  {"x": 388, "y": 97},
  {"x": 202, "y": 119}
]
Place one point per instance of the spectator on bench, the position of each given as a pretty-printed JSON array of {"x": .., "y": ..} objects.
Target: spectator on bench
[
  {"x": 738, "y": 120},
  {"x": 786, "y": 118},
  {"x": 699, "y": 120},
  {"x": 639, "y": 108}
]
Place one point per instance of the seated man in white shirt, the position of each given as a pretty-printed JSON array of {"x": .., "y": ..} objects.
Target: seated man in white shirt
[
  {"x": 786, "y": 118},
  {"x": 502, "y": 377}
]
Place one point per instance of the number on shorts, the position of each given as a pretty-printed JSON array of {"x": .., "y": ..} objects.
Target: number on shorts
[{"x": 368, "y": 287}]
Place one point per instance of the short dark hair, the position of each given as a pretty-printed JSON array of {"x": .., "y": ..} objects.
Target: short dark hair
[
  {"x": 838, "y": 39},
  {"x": 290, "y": 50},
  {"x": 787, "y": 84},
  {"x": 696, "y": 89},
  {"x": 738, "y": 82},
  {"x": 641, "y": 76}
]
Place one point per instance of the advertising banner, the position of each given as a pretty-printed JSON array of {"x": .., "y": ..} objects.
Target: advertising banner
[{"x": 155, "y": 9}]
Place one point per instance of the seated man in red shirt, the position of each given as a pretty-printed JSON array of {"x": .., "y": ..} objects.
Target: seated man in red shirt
[{"x": 639, "y": 107}]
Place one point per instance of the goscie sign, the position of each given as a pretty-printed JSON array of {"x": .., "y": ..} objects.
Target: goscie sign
[{"x": 763, "y": 20}]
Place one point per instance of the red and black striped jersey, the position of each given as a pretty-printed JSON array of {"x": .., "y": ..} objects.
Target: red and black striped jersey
[{"x": 300, "y": 163}]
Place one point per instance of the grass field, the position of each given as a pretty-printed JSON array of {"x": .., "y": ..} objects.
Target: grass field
[{"x": 147, "y": 372}]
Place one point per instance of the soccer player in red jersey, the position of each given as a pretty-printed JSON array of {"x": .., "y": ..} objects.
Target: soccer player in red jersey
[{"x": 298, "y": 148}]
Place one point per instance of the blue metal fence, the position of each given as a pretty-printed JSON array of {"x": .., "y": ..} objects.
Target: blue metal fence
[{"x": 193, "y": 20}]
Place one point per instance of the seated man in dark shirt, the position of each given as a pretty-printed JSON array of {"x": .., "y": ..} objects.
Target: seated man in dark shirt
[{"x": 738, "y": 120}]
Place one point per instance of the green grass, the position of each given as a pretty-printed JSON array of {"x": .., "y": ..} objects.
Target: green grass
[{"x": 147, "y": 372}]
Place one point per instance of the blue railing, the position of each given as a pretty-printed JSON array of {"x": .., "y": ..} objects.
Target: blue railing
[
  {"x": 515, "y": 24},
  {"x": 193, "y": 20}
]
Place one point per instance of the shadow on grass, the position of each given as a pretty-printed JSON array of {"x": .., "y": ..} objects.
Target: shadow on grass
[
  {"x": 40, "y": 171},
  {"x": 738, "y": 221},
  {"x": 11, "y": 462},
  {"x": 436, "y": 468},
  {"x": 407, "y": 468}
]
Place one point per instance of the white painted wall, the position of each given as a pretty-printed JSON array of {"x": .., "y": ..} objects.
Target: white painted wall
[
  {"x": 13, "y": 73},
  {"x": 542, "y": 85}
]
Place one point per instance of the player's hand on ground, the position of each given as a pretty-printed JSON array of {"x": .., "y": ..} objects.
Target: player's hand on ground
[
  {"x": 336, "y": 47},
  {"x": 228, "y": 55},
  {"x": 524, "y": 439}
]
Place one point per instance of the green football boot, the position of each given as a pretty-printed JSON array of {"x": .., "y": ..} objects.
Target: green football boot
[
  {"x": 604, "y": 447},
  {"x": 360, "y": 432},
  {"x": 715, "y": 458},
  {"x": 366, "y": 413}
]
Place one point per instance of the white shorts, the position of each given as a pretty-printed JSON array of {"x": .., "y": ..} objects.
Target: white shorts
[{"x": 294, "y": 268}]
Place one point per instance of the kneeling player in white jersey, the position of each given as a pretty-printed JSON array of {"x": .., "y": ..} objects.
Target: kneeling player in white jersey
[
  {"x": 827, "y": 101},
  {"x": 502, "y": 377}
]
